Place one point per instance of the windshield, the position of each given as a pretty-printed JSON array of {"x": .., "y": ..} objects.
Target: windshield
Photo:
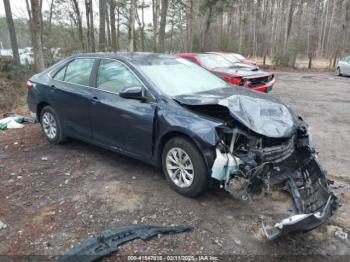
[
  {"x": 231, "y": 58},
  {"x": 213, "y": 61},
  {"x": 240, "y": 57},
  {"x": 176, "y": 77}
]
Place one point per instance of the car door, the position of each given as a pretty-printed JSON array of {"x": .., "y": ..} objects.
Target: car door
[
  {"x": 71, "y": 93},
  {"x": 124, "y": 124},
  {"x": 346, "y": 65}
]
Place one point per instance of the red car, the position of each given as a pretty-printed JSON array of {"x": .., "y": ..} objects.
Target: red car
[{"x": 250, "y": 77}]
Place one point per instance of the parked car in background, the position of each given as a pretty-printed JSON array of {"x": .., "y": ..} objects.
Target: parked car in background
[
  {"x": 174, "y": 114},
  {"x": 26, "y": 56},
  {"x": 249, "y": 77},
  {"x": 343, "y": 67}
]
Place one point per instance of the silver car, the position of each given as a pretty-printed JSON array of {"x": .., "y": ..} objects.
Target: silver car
[{"x": 343, "y": 67}]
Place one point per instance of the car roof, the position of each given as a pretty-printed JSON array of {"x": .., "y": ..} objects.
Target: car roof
[{"x": 132, "y": 57}]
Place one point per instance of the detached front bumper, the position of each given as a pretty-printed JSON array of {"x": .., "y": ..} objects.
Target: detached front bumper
[
  {"x": 313, "y": 201},
  {"x": 301, "y": 222}
]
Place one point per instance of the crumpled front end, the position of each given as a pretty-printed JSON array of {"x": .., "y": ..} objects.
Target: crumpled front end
[{"x": 248, "y": 164}]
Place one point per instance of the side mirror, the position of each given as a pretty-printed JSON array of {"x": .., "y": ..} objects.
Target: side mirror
[{"x": 133, "y": 92}]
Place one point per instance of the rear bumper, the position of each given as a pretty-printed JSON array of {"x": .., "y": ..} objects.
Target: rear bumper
[{"x": 266, "y": 87}]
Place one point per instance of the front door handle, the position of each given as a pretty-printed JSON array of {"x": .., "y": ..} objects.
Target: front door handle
[
  {"x": 94, "y": 100},
  {"x": 52, "y": 88}
]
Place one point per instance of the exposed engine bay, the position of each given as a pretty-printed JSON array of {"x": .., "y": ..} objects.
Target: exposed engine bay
[
  {"x": 263, "y": 145},
  {"x": 249, "y": 164}
]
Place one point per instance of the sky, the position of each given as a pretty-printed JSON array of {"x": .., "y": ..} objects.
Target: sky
[{"x": 19, "y": 9}]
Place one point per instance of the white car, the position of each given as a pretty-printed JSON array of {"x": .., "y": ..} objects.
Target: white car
[{"x": 343, "y": 67}]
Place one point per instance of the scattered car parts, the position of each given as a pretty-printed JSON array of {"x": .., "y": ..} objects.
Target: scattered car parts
[
  {"x": 2, "y": 225},
  {"x": 110, "y": 240}
]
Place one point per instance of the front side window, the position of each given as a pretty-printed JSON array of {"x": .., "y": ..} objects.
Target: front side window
[
  {"x": 78, "y": 71},
  {"x": 114, "y": 77}
]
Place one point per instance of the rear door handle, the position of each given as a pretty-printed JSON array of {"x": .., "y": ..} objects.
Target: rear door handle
[
  {"x": 94, "y": 100},
  {"x": 52, "y": 88}
]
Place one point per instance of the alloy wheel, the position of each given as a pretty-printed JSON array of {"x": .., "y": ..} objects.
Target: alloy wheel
[
  {"x": 49, "y": 125},
  {"x": 180, "y": 167}
]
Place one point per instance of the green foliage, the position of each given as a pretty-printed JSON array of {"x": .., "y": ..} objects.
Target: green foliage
[{"x": 22, "y": 31}]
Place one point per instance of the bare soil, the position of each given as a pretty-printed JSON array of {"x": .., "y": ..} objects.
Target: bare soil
[{"x": 51, "y": 197}]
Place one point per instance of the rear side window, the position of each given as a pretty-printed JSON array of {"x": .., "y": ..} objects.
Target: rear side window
[
  {"x": 78, "y": 71},
  {"x": 113, "y": 76}
]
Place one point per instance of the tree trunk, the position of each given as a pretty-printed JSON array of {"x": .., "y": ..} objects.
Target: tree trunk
[
  {"x": 141, "y": 23},
  {"x": 108, "y": 29},
  {"x": 50, "y": 15},
  {"x": 102, "y": 29},
  {"x": 112, "y": 20},
  {"x": 132, "y": 26},
  {"x": 118, "y": 25},
  {"x": 288, "y": 24},
  {"x": 92, "y": 27},
  {"x": 163, "y": 15},
  {"x": 206, "y": 42},
  {"x": 79, "y": 23},
  {"x": 12, "y": 31},
  {"x": 37, "y": 35},
  {"x": 87, "y": 13},
  {"x": 242, "y": 21},
  {"x": 155, "y": 9},
  {"x": 189, "y": 26}
]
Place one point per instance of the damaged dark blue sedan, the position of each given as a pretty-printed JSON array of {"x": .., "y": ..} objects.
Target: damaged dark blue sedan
[{"x": 199, "y": 129}]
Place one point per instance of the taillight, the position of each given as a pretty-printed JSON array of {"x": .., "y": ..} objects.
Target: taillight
[{"x": 29, "y": 85}]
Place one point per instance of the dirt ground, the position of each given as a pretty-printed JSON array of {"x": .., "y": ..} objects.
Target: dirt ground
[{"x": 53, "y": 196}]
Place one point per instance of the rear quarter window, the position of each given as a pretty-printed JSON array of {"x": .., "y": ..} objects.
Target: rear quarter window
[{"x": 60, "y": 74}]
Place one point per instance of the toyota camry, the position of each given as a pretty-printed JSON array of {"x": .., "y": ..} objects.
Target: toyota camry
[{"x": 200, "y": 130}]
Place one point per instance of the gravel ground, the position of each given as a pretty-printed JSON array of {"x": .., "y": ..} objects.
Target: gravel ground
[{"x": 53, "y": 196}]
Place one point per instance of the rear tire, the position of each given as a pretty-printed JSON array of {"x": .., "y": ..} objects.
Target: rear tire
[
  {"x": 51, "y": 125},
  {"x": 184, "y": 167},
  {"x": 339, "y": 72}
]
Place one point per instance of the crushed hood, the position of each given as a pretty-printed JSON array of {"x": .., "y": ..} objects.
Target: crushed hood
[{"x": 262, "y": 113}]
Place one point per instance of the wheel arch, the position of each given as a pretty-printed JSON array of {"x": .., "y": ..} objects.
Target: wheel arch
[
  {"x": 172, "y": 134},
  {"x": 39, "y": 108}
]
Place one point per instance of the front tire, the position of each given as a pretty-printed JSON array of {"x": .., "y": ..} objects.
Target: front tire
[
  {"x": 51, "y": 125},
  {"x": 184, "y": 167}
]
